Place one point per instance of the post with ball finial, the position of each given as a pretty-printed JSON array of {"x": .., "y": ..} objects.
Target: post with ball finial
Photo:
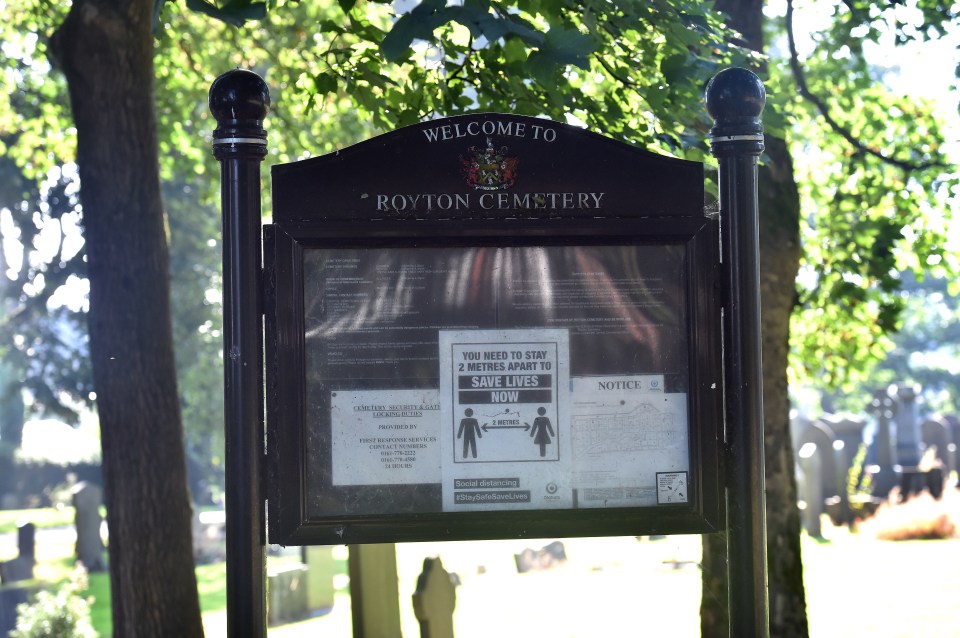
[
  {"x": 735, "y": 100},
  {"x": 239, "y": 101}
]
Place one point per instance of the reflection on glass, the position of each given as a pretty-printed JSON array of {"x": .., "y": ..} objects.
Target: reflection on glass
[
  {"x": 375, "y": 313},
  {"x": 373, "y": 317}
]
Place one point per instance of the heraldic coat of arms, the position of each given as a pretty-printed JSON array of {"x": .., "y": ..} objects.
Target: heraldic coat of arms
[{"x": 489, "y": 169}]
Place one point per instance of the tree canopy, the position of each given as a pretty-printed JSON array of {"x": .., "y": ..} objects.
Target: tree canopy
[
  {"x": 632, "y": 70},
  {"x": 877, "y": 186}
]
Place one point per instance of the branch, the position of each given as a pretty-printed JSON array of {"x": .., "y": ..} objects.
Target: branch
[
  {"x": 462, "y": 66},
  {"x": 624, "y": 80},
  {"x": 838, "y": 128}
]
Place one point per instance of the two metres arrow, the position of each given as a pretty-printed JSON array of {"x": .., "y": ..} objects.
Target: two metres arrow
[{"x": 487, "y": 428}]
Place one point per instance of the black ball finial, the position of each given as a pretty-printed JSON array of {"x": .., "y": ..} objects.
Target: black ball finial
[
  {"x": 735, "y": 93},
  {"x": 735, "y": 99},
  {"x": 239, "y": 95}
]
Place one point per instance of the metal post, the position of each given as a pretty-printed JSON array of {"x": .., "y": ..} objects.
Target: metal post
[
  {"x": 735, "y": 99},
  {"x": 239, "y": 101}
]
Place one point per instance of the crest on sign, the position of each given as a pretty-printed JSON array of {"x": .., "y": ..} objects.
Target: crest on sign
[{"x": 489, "y": 168}]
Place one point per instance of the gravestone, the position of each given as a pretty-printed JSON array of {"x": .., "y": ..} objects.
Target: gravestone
[
  {"x": 287, "y": 594},
  {"x": 27, "y": 541},
  {"x": 820, "y": 434},
  {"x": 848, "y": 430},
  {"x": 434, "y": 600},
  {"x": 86, "y": 503},
  {"x": 810, "y": 459},
  {"x": 209, "y": 537},
  {"x": 545, "y": 558},
  {"x": 907, "y": 423},
  {"x": 21, "y": 567},
  {"x": 953, "y": 425},
  {"x": 798, "y": 424},
  {"x": 849, "y": 437},
  {"x": 321, "y": 569},
  {"x": 883, "y": 408},
  {"x": 935, "y": 433}
]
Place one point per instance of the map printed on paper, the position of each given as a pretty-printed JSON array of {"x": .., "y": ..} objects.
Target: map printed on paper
[{"x": 625, "y": 430}]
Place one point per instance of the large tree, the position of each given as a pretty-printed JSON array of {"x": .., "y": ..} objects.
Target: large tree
[{"x": 105, "y": 50}]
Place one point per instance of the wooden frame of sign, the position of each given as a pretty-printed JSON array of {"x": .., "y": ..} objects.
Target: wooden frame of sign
[{"x": 491, "y": 326}]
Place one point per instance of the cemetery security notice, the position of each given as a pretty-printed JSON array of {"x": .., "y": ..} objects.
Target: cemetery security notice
[{"x": 385, "y": 437}]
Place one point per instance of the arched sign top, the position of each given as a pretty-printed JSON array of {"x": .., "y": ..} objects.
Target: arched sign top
[{"x": 487, "y": 165}]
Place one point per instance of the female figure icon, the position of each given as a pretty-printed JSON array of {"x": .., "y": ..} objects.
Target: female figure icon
[{"x": 542, "y": 431}]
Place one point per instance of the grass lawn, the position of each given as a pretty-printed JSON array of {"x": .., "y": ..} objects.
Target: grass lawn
[
  {"x": 211, "y": 585},
  {"x": 41, "y": 517}
]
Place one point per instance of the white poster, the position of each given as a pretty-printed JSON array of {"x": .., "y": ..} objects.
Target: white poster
[
  {"x": 505, "y": 439},
  {"x": 385, "y": 437},
  {"x": 625, "y": 432}
]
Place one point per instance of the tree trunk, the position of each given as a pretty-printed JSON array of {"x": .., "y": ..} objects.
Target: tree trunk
[
  {"x": 779, "y": 204},
  {"x": 105, "y": 49}
]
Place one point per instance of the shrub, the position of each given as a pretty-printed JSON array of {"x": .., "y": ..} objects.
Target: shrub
[
  {"x": 919, "y": 518},
  {"x": 63, "y": 614}
]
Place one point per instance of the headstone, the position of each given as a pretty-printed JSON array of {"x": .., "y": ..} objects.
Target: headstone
[
  {"x": 545, "y": 558},
  {"x": 321, "y": 568},
  {"x": 209, "y": 537},
  {"x": 798, "y": 424},
  {"x": 908, "y": 425},
  {"x": 820, "y": 434},
  {"x": 848, "y": 430},
  {"x": 434, "y": 600},
  {"x": 287, "y": 594},
  {"x": 26, "y": 541},
  {"x": 935, "y": 434},
  {"x": 953, "y": 425},
  {"x": 16, "y": 570},
  {"x": 810, "y": 461},
  {"x": 86, "y": 503},
  {"x": 883, "y": 408},
  {"x": 849, "y": 437},
  {"x": 21, "y": 567}
]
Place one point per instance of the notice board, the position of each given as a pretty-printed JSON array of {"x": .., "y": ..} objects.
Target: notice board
[{"x": 491, "y": 326}]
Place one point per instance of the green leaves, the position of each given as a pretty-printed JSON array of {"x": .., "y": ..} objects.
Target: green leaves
[
  {"x": 560, "y": 45},
  {"x": 235, "y": 12},
  {"x": 566, "y": 45},
  {"x": 325, "y": 83},
  {"x": 870, "y": 221},
  {"x": 419, "y": 23}
]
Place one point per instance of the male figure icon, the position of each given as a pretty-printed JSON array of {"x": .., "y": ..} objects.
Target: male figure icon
[{"x": 469, "y": 431}]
